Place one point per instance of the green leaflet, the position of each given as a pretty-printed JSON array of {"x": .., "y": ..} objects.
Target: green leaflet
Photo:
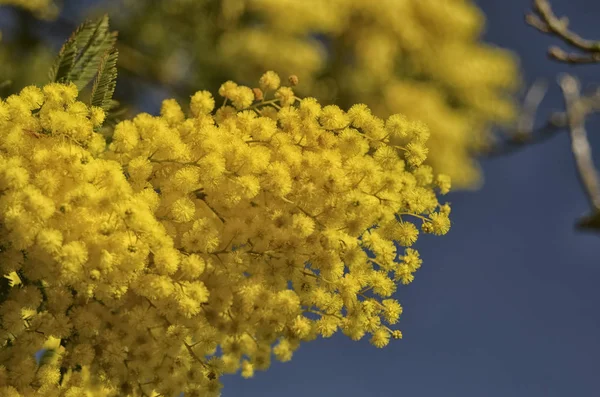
[
  {"x": 89, "y": 52},
  {"x": 80, "y": 57},
  {"x": 105, "y": 82}
]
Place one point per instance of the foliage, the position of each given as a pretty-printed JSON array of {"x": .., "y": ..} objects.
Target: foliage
[{"x": 88, "y": 51}]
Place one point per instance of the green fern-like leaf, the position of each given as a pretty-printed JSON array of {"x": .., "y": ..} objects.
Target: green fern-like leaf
[
  {"x": 80, "y": 57},
  {"x": 93, "y": 50},
  {"x": 105, "y": 82},
  {"x": 65, "y": 59}
]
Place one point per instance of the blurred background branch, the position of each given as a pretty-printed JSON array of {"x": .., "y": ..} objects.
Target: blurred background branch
[
  {"x": 543, "y": 19},
  {"x": 524, "y": 134},
  {"x": 578, "y": 107},
  {"x": 577, "y": 111}
]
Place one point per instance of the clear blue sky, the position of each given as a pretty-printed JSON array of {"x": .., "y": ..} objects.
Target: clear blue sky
[{"x": 506, "y": 303}]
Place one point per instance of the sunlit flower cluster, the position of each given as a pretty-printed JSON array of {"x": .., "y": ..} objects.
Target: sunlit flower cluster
[
  {"x": 198, "y": 245},
  {"x": 422, "y": 58}
]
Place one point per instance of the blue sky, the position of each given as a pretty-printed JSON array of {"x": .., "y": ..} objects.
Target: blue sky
[{"x": 506, "y": 303}]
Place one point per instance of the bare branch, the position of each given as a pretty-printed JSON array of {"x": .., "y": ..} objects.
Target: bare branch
[
  {"x": 582, "y": 152},
  {"x": 559, "y": 54},
  {"x": 535, "y": 95},
  {"x": 540, "y": 135},
  {"x": 545, "y": 21},
  {"x": 524, "y": 134}
]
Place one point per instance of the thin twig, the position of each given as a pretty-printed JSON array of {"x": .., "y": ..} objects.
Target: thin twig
[
  {"x": 582, "y": 151},
  {"x": 561, "y": 55},
  {"x": 537, "y": 136},
  {"x": 544, "y": 20},
  {"x": 524, "y": 134},
  {"x": 533, "y": 98}
]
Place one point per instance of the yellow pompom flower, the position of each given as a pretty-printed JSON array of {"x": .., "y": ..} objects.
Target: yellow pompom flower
[
  {"x": 301, "y": 326},
  {"x": 444, "y": 183},
  {"x": 72, "y": 257},
  {"x": 33, "y": 96},
  {"x": 247, "y": 369},
  {"x": 166, "y": 260},
  {"x": 286, "y": 96},
  {"x": 139, "y": 169},
  {"x": 241, "y": 97},
  {"x": 192, "y": 266},
  {"x": 309, "y": 109},
  {"x": 380, "y": 338},
  {"x": 97, "y": 116},
  {"x": 50, "y": 240},
  {"x": 269, "y": 81},
  {"x": 171, "y": 111},
  {"x": 416, "y": 153},
  {"x": 333, "y": 118},
  {"x": 439, "y": 224},
  {"x": 202, "y": 102},
  {"x": 250, "y": 185},
  {"x": 125, "y": 137},
  {"x": 183, "y": 210}
]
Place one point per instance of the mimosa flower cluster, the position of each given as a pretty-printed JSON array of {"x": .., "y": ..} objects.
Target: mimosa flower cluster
[
  {"x": 195, "y": 246},
  {"x": 421, "y": 58}
]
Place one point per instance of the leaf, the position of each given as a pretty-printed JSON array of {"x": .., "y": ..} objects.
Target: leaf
[
  {"x": 93, "y": 50},
  {"x": 65, "y": 59},
  {"x": 80, "y": 57},
  {"x": 115, "y": 106},
  {"x": 105, "y": 82}
]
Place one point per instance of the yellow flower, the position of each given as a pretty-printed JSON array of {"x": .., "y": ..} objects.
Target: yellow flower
[
  {"x": 286, "y": 96},
  {"x": 333, "y": 118},
  {"x": 380, "y": 338},
  {"x": 183, "y": 210},
  {"x": 269, "y": 81},
  {"x": 444, "y": 183},
  {"x": 202, "y": 102}
]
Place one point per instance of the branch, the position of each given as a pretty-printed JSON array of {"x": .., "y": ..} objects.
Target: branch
[
  {"x": 534, "y": 96},
  {"x": 559, "y": 54},
  {"x": 544, "y": 20},
  {"x": 582, "y": 152},
  {"x": 524, "y": 134}
]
